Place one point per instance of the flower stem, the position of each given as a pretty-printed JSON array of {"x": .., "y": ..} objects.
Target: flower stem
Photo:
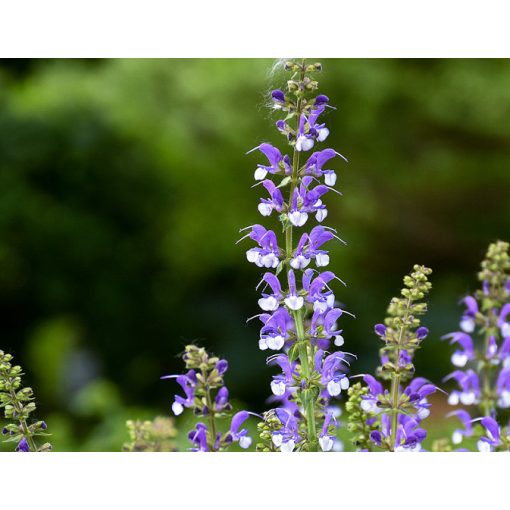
[
  {"x": 210, "y": 415},
  {"x": 486, "y": 400},
  {"x": 22, "y": 422},
  {"x": 395, "y": 377},
  {"x": 304, "y": 355}
]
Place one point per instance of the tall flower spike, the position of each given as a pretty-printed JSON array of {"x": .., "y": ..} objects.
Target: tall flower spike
[
  {"x": 206, "y": 394},
  {"x": 387, "y": 413},
  {"x": 18, "y": 404},
  {"x": 298, "y": 301},
  {"x": 482, "y": 351}
]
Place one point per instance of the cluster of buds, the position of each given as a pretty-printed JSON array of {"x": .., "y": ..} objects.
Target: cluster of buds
[
  {"x": 207, "y": 396},
  {"x": 157, "y": 435},
  {"x": 482, "y": 355},
  {"x": 358, "y": 421},
  {"x": 299, "y": 311},
  {"x": 394, "y": 414},
  {"x": 18, "y": 404}
]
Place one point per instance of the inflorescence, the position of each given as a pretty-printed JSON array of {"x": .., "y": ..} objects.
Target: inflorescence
[
  {"x": 387, "y": 413},
  {"x": 18, "y": 404},
  {"x": 299, "y": 311},
  {"x": 207, "y": 396},
  {"x": 482, "y": 355}
]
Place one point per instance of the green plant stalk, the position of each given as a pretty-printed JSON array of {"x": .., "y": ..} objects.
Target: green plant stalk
[
  {"x": 210, "y": 415},
  {"x": 22, "y": 422},
  {"x": 309, "y": 403},
  {"x": 486, "y": 401},
  {"x": 395, "y": 379}
]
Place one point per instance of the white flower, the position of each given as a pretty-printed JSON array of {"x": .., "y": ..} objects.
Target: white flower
[
  {"x": 265, "y": 209},
  {"x": 339, "y": 340},
  {"x": 330, "y": 179},
  {"x": 326, "y": 443},
  {"x": 260, "y": 173},
  {"x": 304, "y": 144},
  {"x": 177, "y": 408},
  {"x": 268, "y": 304},
  {"x": 297, "y": 218},
  {"x": 459, "y": 359},
  {"x": 467, "y": 324},
  {"x": 278, "y": 388},
  {"x": 288, "y": 446},
  {"x": 321, "y": 215},
  {"x": 295, "y": 302},
  {"x": 322, "y": 259},
  {"x": 244, "y": 442}
]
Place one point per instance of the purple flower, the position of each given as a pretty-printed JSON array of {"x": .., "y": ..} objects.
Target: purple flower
[
  {"x": 287, "y": 436},
  {"x": 467, "y": 352},
  {"x": 275, "y": 202},
  {"x": 240, "y": 435},
  {"x": 23, "y": 445},
  {"x": 277, "y": 162},
  {"x": 380, "y": 330},
  {"x": 188, "y": 383},
  {"x": 315, "y": 163},
  {"x": 469, "y": 384},
  {"x": 282, "y": 383},
  {"x": 502, "y": 322},
  {"x": 493, "y": 438},
  {"x": 332, "y": 371},
  {"x": 222, "y": 366},
  {"x": 268, "y": 253},
  {"x": 316, "y": 293},
  {"x": 198, "y": 436},
  {"x": 275, "y": 331},
  {"x": 321, "y": 99},
  {"x": 221, "y": 400},
  {"x": 270, "y": 302},
  {"x": 503, "y": 388},
  {"x": 278, "y": 98},
  {"x": 421, "y": 333},
  {"x": 467, "y": 430},
  {"x": 326, "y": 439},
  {"x": 292, "y": 300},
  {"x": 467, "y": 322}
]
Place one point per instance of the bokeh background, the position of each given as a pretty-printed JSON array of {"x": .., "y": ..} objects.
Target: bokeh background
[{"x": 123, "y": 185}]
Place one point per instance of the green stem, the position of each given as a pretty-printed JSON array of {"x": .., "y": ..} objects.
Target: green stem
[
  {"x": 395, "y": 379},
  {"x": 210, "y": 415},
  {"x": 22, "y": 422},
  {"x": 486, "y": 401},
  {"x": 304, "y": 355},
  {"x": 308, "y": 402}
]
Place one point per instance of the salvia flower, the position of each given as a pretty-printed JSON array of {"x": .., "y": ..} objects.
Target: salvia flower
[
  {"x": 494, "y": 438},
  {"x": 18, "y": 404},
  {"x": 482, "y": 349},
  {"x": 388, "y": 416},
  {"x": 299, "y": 316},
  {"x": 204, "y": 392}
]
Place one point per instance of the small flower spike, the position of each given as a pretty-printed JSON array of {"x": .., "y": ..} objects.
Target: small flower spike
[
  {"x": 18, "y": 404},
  {"x": 207, "y": 396},
  {"x": 388, "y": 416},
  {"x": 482, "y": 353}
]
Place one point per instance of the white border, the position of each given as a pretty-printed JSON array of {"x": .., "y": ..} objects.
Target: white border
[
  {"x": 245, "y": 481},
  {"x": 254, "y": 28}
]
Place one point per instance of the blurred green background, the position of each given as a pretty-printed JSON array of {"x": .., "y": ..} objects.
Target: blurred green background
[{"x": 124, "y": 184}]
